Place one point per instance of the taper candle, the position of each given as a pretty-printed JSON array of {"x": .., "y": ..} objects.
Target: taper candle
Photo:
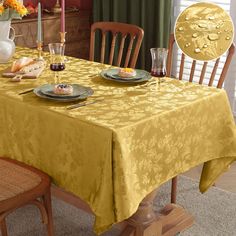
[
  {"x": 39, "y": 35},
  {"x": 62, "y": 16}
]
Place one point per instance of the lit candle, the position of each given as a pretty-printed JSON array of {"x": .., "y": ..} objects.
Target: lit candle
[
  {"x": 39, "y": 35},
  {"x": 63, "y": 16}
]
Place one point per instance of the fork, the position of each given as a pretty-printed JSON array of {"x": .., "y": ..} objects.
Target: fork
[{"x": 151, "y": 82}]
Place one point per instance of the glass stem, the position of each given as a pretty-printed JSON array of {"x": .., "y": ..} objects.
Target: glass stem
[{"x": 57, "y": 77}]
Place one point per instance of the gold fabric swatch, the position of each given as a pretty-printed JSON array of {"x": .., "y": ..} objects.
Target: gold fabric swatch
[{"x": 204, "y": 31}]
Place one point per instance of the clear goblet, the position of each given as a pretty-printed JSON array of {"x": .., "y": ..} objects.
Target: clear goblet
[
  {"x": 159, "y": 57},
  {"x": 57, "y": 62}
]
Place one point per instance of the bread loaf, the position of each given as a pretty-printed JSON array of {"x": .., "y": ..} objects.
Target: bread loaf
[
  {"x": 33, "y": 66},
  {"x": 20, "y": 63}
]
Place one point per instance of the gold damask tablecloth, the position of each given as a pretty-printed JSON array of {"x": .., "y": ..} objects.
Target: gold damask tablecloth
[{"x": 113, "y": 153}]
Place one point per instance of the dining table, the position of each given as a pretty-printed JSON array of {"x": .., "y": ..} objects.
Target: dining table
[{"x": 115, "y": 153}]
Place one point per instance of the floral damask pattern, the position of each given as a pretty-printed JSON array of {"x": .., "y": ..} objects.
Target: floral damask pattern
[{"x": 113, "y": 153}]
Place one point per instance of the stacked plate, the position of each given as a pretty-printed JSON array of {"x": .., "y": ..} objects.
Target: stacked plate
[
  {"x": 79, "y": 93},
  {"x": 112, "y": 74}
]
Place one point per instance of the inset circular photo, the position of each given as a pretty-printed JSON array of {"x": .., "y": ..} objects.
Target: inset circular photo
[{"x": 204, "y": 31}]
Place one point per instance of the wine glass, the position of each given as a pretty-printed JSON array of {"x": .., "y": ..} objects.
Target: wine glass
[
  {"x": 57, "y": 62},
  {"x": 159, "y": 57}
]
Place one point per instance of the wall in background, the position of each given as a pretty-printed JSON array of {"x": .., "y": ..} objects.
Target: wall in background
[{"x": 81, "y": 4}]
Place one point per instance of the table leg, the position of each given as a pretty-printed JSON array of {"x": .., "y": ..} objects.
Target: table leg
[{"x": 168, "y": 222}]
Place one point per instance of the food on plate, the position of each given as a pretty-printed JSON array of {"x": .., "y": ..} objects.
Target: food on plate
[
  {"x": 126, "y": 72},
  {"x": 21, "y": 63},
  {"x": 63, "y": 89}
]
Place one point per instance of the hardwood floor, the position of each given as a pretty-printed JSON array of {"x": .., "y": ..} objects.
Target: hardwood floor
[{"x": 226, "y": 181}]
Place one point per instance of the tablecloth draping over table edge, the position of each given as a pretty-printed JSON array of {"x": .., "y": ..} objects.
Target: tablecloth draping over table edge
[{"x": 113, "y": 153}]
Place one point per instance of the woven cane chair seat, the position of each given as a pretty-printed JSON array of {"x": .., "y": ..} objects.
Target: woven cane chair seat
[
  {"x": 15, "y": 180},
  {"x": 20, "y": 185}
]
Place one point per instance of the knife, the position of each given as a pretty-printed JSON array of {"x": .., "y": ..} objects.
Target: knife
[
  {"x": 82, "y": 104},
  {"x": 26, "y": 91}
]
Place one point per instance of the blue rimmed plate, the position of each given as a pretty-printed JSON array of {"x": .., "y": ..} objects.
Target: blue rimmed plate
[
  {"x": 112, "y": 74},
  {"x": 78, "y": 90},
  {"x": 87, "y": 91}
]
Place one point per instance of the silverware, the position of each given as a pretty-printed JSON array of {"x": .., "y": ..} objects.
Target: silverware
[
  {"x": 94, "y": 75},
  {"x": 26, "y": 91},
  {"x": 82, "y": 104},
  {"x": 146, "y": 84}
]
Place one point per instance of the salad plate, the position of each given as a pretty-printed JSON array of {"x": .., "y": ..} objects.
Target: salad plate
[
  {"x": 81, "y": 93},
  {"x": 78, "y": 90},
  {"x": 112, "y": 74}
]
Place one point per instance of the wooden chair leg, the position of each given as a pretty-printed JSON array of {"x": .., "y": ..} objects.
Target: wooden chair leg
[
  {"x": 3, "y": 227},
  {"x": 174, "y": 190},
  {"x": 48, "y": 207}
]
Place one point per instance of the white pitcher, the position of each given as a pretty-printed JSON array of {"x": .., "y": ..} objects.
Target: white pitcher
[{"x": 7, "y": 45}]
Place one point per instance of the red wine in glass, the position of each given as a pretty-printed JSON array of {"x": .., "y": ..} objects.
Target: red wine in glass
[
  {"x": 57, "y": 66},
  {"x": 159, "y": 56},
  {"x": 161, "y": 73}
]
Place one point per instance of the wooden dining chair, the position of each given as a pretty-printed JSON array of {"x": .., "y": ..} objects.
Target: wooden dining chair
[
  {"x": 20, "y": 185},
  {"x": 201, "y": 81},
  {"x": 126, "y": 31}
]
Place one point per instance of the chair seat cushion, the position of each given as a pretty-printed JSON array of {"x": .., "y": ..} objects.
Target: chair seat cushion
[{"x": 15, "y": 180}]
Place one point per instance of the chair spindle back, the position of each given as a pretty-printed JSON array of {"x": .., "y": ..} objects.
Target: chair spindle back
[
  {"x": 135, "y": 34},
  {"x": 204, "y": 67}
]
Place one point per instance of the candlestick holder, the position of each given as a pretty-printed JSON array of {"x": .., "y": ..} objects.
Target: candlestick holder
[
  {"x": 63, "y": 41},
  {"x": 39, "y": 48},
  {"x": 63, "y": 37},
  {"x": 57, "y": 7}
]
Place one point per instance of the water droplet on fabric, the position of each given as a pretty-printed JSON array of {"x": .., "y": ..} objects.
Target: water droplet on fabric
[
  {"x": 202, "y": 25},
  {"x": 213, "y": 37}
]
